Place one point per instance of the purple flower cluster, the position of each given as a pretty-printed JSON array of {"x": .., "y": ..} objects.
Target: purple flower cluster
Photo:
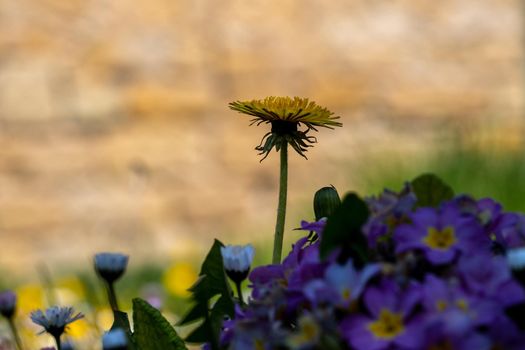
[{"x": 437, "y": 278}]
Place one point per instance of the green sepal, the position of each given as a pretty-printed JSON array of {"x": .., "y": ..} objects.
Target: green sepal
[
  {"x": 326, "y": 201},
  {"x": 431, "y": 191},
  {"x": 152, "y": 330}
]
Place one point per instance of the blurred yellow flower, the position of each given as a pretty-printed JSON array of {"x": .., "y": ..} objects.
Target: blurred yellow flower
[
  {"x": 30, "y": 297},
  {"x": 104, "y": 318},
  {"x": 70, "y": 290},
  {"x": 78, "y": 329},
  {"x": 178, "y": 278}
]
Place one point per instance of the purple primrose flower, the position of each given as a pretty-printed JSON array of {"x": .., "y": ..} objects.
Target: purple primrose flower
[
  {"x": 391, "y": 321},
  {"x": 441, "y": 234}
]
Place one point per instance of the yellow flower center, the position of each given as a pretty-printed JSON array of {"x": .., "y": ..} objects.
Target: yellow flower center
[
  {"x": 440, "y": 239},
  {"x": 347, "y": 293},
  {"x": 259, "y": 344},
  {"x": 462, "y": 304},
  {"x": 445, "y": 345},
  {"x": 441, "y": 305},
  {"x": 308, "y": 333},
  {"x": 388, "y": 326}
]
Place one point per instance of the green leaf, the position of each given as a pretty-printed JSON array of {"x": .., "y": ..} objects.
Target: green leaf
[
  {"x": 152, "y": 330},
  {"x": 200, "y": 334},
  {"x": 343, "y": 229},
  {"x": 430, "y": 190},
  {"x": 214, "y": 280},
  {"x": 197, "y": 312},
  {"x": 212, "y": 283}
]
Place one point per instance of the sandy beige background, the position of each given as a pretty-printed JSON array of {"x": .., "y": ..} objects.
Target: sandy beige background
[{"x": 115, "y": 132}]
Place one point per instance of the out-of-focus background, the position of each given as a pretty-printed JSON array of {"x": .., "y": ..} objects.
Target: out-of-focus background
[{"x": 115, "y": 133}]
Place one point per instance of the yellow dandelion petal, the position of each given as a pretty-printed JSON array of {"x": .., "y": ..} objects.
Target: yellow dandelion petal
[
  {"x": 296, "y": 110},
  {"x": 286, "y": 115},
  {"x": 178, "y": 278}
]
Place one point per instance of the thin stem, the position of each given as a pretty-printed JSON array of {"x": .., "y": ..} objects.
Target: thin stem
[
  {"x": 239, "y": 293},
  {"x": 57, "y": 340},
  {"x": 281, "y": 208},
  {"x": 16, "y": 337},
  {"x": 112, "y": 297}
]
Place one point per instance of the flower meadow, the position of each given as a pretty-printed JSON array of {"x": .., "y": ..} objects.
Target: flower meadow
[{"x": 419, "y": 268}]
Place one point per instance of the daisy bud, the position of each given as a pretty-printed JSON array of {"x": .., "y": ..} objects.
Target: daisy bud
[
  {"x": 7, "y": 304},
  {"x": 516, "y": 261},
  {"x": 326, "y": 200},
  {"x": 110, "y": 266},
  {"x": 516, "y": 258},
  {"x": 115, "y": 340},
  {"x": 237, "y": 261}
]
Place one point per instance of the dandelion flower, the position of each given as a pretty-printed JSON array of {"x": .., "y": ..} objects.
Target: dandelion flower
[{"x": 285, "y": 116}]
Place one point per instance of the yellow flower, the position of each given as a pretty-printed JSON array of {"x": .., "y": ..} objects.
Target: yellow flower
[
  {"x": 286, "y": 115},
  {"x": 30, "y": 297},
  {"x": 178, "y": 278},
  {"x": 79, "y": 329}
]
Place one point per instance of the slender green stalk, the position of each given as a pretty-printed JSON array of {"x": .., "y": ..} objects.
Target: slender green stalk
[
  {"x": 16, "y": 337},
  {"x": 112, "y": 297},
  {"x": 281, "y": 208},
  {"x": 57, "y": 340},
  {"x": 239, "y": 293}
]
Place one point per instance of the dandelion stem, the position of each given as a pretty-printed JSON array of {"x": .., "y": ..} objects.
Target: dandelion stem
[
  {"x": 16, "y": 337},
  {"x": 281, "y": 208},
  {"x": 239, "y": 293}
]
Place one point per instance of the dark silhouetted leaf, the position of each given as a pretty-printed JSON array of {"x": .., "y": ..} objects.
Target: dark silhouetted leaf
[
  {"x": 430, "y": 190},
  {"x": 343, "y": 229}
]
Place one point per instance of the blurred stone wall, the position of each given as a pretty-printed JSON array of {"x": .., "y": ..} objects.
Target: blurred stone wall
[{"x": 114, "y": 130}]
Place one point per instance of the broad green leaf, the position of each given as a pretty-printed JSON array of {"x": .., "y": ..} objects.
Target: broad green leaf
[
  {"x": 343, "y": 229},
  {"x": 430, "y": 190},
  {"x": 152, "y": 330}
]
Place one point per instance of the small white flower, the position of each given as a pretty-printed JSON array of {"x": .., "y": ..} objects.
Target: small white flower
[
  {"x": 516, "y": 258},
  {"x": 55, "y": 319},
  {"x": 110, "y": 266},
  {"x": 115, "y": 340},
  {"x": 237, "y": 257}
]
